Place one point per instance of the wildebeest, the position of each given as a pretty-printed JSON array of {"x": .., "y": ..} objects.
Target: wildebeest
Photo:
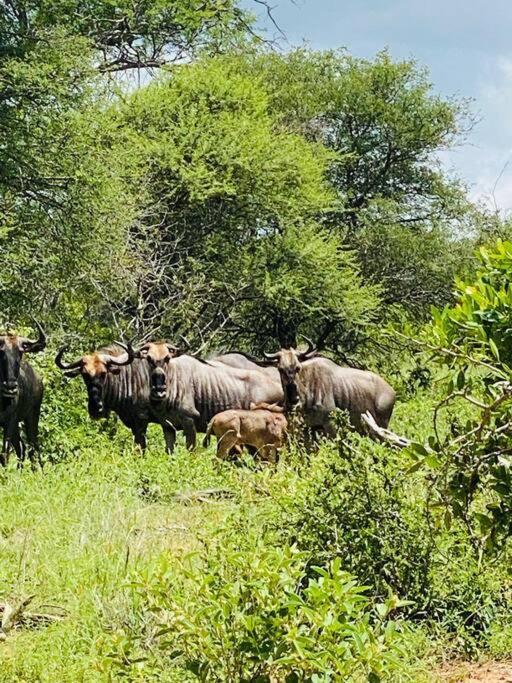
[
  {"x": 263, "y": 427},
  {"x": 21, "y": 395},
  {"x": 187, "y": 392},
  {"x": 317, "y": 386},
  {"x": 236, "y": 359},
  {"x": 116, "y": 381}
]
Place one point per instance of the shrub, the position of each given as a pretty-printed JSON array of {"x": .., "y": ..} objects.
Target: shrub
[
  {"x": 355, "y": 506},
  {"x": 229, "y": 615}
]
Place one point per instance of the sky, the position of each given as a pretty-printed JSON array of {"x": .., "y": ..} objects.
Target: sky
[{"x": 466, "y": 45}]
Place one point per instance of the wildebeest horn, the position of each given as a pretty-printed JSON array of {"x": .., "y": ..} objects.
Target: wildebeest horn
[
  {"x": 66, "y": 366},
  {"x": 37, "y": 345},
  {"x": 118, "y": 360},
  {"x": 271, "y": 357},
  {"x": 310, "y": 351}
]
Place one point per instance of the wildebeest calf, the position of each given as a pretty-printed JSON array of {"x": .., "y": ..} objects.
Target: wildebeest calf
[{"x": 263, "y": 427}]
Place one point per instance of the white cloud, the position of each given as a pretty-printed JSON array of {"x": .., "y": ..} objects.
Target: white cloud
[{"x": 486, "y": 162}]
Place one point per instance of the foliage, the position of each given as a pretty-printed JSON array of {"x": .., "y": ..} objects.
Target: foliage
[
  {"x": 229, "y": 216},
  {"x": 356, "y": 506},
  {"x": 386, "y": 127},
  {"x": 261, "y": 625},
  {"x": 63, "y": 202},
  {"x": 471, "y": 460},
  {"x": 127, "y": 35}
]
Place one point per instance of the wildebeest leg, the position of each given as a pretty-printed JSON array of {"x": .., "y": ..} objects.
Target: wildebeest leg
[
  {"x": 18, "y": 446},
  {"x": 170, "y": 437},
  {"x": 189, "y": 430},
  {"x": 4, "y": 455},
  {"x": 227, "y": 443},
  {"x": 139, "y": 435},
  {"x": 329, "y": 430},
  {"x": 268, "y": 453},
  {"x": 32, "y": 430},
  {"x": 11, "y": 439}
]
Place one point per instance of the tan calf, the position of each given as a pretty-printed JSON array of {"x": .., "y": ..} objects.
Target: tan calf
[{"x": 263, "y": 427}]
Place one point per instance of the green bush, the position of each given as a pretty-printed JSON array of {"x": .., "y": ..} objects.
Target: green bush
[
  {"x": 357, "y": 506},
  {"x": 227, "y": 615}
]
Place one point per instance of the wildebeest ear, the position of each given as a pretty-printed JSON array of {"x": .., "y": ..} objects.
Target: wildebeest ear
[
  {"x": 114, "y": 369},
  {"x": 174, "y": 350}
]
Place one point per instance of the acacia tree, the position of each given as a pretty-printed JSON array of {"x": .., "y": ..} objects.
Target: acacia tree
[
  {"x": 66, "y": 210},
  {"x": 125, "y": 34},
  {"x": 408, "y": 220},
  {"x": 229, "y": 211}
]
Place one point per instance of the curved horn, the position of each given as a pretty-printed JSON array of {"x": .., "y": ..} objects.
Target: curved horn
[
  {"x": 311, "y": 346},
  {"x": 310, "y": 351},
  {"x": 272, "y": 357},
  {"x": 39, "y": 344},
  {"x": 66, "y": 366},
  {"x": 119, "y": 360}
]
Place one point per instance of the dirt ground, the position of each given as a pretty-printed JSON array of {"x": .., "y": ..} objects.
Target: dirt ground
[{"x": 489, "y": 672}]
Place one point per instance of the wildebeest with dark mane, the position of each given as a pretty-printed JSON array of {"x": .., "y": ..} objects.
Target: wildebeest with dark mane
[
  {"x": 116, "y": 381},
  {"x": 187, "y": 392},
  {"x": 21, "y": 395},
  {"x": 316, "y": 386}
]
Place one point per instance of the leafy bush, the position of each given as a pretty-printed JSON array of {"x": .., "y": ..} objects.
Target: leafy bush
[
  {"x": 229, "y": 615},
  {"x": 355, "y": 506},
  {"x": 471, "y": 460}
]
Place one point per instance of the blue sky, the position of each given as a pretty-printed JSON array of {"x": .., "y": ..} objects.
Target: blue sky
[{"x": 466, "y": 45}]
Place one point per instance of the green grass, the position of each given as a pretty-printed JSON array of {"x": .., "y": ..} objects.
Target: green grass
[{"x": 72, "y": 534}]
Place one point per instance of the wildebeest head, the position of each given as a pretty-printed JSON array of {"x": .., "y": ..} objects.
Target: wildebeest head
[
  {"x": 158, "y": 355},
  {"x": 94, "y": 368},
  {"x": 289, "y": 363},
  {"x": 12, "y": 348}
]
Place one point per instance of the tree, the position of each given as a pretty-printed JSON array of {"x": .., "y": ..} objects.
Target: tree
[
  {"x": 125, "y": 34},
  {"x": 63, "y": 201},
  {"x": 385, "y": 126},
  {"x": 230, "y": 203}
]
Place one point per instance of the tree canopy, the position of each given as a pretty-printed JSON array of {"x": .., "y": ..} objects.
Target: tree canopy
[{"x": 238, "y": 198}]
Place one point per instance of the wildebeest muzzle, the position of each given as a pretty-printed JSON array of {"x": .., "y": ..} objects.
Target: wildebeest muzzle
[
  {"x": 9, "y": 389},
  {"x": 158, "y": 384},
  {"x": 95, "y": 403},
  {"x": 292, "y": 394}
]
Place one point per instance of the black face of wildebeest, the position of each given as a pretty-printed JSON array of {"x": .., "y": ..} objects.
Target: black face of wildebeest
[
  {"x": 288, "y": 362},
  {"x": 158, "y": 355},
  {"x": 94, "y": 369},
  {"x": 12, "y": 349}
]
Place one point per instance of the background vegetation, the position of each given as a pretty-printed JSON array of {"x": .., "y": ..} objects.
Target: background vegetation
[{"x": 164, "y": 172}]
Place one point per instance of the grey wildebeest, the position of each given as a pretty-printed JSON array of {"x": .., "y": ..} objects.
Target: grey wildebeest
[
  {"x": 187, "y": 392},
  {"x": 21, "y": 395},
  {"x": 316, "y": 386},
  {"x": 237, "y": 359},
  {"x": 116, "y": 381},
  {"x": 263, "y": 427}
]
